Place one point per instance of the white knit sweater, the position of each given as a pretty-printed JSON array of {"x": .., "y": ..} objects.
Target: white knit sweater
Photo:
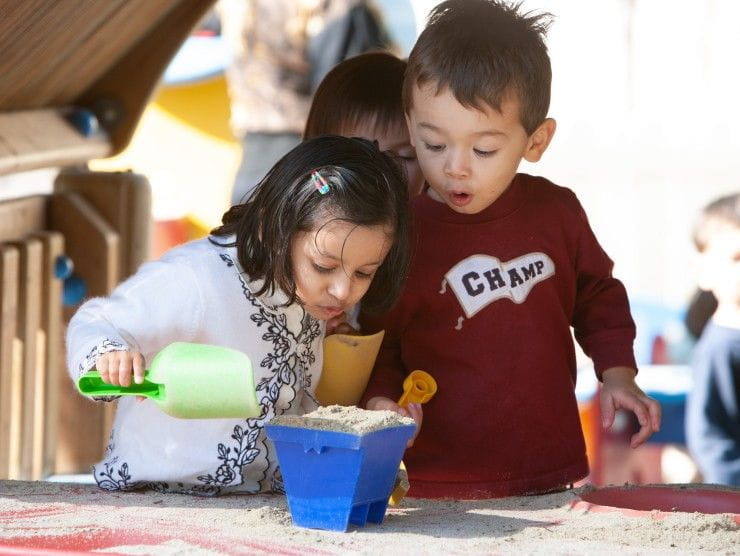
[{"x": 198, "y": 293}]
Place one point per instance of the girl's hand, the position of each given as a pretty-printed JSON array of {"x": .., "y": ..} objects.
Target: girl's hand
[
  {"x": 117, "y": 367},
  {"x": 339, "y": 325},
  {"x": 619, "y": 391},
  {"x": 412, "y": 410}
]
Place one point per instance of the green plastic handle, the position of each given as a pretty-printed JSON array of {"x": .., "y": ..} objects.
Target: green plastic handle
[{"x": 91, "y": 384}]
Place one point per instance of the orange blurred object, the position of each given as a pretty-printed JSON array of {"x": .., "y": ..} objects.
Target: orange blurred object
[{"x": 170, "y": 233}]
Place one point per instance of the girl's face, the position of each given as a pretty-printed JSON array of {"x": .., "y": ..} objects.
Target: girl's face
[
  {"x": 396, "y": 143},
  {"x": 334, "y": 264}
]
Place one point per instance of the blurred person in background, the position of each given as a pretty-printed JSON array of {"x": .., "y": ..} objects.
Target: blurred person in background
[
  {"x": 281, "y": 50},
  {"x": 712, "y": 405}
]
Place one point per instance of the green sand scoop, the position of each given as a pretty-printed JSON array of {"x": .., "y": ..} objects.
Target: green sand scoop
[{"x": 190, "y": 381}]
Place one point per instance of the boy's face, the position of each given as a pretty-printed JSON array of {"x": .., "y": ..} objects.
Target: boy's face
[
  {"x": 719, "y": 265},
  {"x": 468, "y": 156}
]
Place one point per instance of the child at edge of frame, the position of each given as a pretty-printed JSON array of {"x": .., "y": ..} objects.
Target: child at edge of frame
[
  {"x": 326, "y": 227},
  {"x": 712, "y": 404},
  {"x": 504, "y": 264}
]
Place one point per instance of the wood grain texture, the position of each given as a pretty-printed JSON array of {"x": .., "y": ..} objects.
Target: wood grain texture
[
  {"x": 9, "y": 269},
  {"x": 47, "y": 403},
  {"x": 93, "y": 245},
  {"x": 21, "y": 217},
  {"x": 29, "y": 325},
  {"x": 91, "y": 242},
  {"x": 124, "y": 199}
]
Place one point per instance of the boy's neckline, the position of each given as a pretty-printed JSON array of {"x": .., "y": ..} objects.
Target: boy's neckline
[{"x": 509, "y": 201}]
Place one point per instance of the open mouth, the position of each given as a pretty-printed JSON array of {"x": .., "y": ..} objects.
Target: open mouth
[{"x": 460, "y": 199}]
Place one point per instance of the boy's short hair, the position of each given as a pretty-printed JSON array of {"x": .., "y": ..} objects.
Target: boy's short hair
[
  {"x": 720, "y": 213},
  {"x": 484, "y": 50}
]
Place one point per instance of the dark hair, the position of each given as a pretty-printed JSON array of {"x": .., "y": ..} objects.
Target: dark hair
[
  {"x": 484, "y": 50},
  {"x": 366, "y": 188},
  {"x": 720, "y": 213},
  {"x": 365, "y": 88}
]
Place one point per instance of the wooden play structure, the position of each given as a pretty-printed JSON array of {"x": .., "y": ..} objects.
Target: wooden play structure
[{"x": 75, "y": 78}]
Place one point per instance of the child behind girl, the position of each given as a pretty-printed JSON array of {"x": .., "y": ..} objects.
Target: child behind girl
[
  {"x": 361, "y": 97},
  {"x": 325, "y": 227}
]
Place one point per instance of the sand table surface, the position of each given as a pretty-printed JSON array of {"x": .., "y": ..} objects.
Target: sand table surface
[{"x": 84, "y": 518}]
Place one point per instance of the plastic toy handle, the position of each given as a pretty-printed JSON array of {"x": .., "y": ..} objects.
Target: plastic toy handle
[
  {"x": 419, "y": 387},
  {"x": 90, "y": 384}
]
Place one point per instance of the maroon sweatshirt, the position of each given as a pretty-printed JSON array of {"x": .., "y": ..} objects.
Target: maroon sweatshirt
[{"x": 487, "y": 311}]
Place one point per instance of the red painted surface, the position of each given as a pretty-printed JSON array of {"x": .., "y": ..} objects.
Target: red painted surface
[
  {"x": 87, "y": 539},
  {"x": 641, "y": 500}
]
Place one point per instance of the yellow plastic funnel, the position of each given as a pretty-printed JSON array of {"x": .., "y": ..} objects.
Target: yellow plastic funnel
[
  {"x": 418, "y": 387},
  {"x": 348, "y": 362}
]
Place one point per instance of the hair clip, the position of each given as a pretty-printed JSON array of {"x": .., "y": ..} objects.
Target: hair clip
[{"x": 321, "y": 184}]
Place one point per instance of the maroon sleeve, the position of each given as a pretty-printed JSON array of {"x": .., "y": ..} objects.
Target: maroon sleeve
[{"x": 601, "y": 319}]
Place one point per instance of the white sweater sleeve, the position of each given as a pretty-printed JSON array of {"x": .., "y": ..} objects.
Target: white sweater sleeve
[{"x": 160, "y": 304}]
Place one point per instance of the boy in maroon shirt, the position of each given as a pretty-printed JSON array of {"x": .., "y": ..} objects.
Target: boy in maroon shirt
[{"x": 505, "y": 264}]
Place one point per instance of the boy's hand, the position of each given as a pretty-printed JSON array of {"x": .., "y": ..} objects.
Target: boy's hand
[
  {"x": 619, "y": 391},
  {"x": 412, "y": 410},
  {"x": 117, "y": 367}
]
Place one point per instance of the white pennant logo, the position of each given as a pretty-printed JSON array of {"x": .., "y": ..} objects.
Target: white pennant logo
[{"x": 481, "y": 279}]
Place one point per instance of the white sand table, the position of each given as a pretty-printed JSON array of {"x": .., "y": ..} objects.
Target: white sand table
[{"x": 75, "y": 517}]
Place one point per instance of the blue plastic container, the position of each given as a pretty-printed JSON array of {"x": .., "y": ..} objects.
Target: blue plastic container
[{"x": 333, "y": 478}]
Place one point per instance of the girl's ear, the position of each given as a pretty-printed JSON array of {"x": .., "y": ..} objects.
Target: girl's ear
[{"x": 539, "y": 140}]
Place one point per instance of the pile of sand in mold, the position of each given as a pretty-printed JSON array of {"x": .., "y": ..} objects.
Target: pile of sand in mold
[{"x": 349, "y": 419}]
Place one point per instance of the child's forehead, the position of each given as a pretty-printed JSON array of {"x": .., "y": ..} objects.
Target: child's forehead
[
  {"x": 432, "y": 103},
  {"x": 342, "y": 239},
  {"x": 374, "y": 126},
  {"x": 485, "y": 96}
]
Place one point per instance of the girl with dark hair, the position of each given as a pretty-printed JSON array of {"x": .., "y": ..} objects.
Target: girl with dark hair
[{"x": 326, "y": 227}]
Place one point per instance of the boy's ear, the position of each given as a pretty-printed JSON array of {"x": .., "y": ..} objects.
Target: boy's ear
[{"x": 539, "y": 140}]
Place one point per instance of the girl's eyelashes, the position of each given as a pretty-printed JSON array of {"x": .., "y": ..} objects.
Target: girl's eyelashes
[
  {"x": 322, "y": 269},
  {"x": 433, "y": 148},
  {"x": 484, "y": 154},
  {"x": 328, "y": 270}
]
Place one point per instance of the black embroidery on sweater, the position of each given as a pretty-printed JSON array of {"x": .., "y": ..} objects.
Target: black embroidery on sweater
[
  {"x": 292, "y": 355},
  {"x": 289, "y": 359}
]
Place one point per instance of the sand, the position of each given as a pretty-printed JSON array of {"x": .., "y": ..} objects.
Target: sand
[
  {"x": 349, "y": 419},
  {"x": 82, "y": 517}
]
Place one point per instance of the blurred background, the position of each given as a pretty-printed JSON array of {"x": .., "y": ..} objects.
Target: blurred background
[
  {"x": 645, "y": 97},
  {"x": 644, "y": 94}
]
